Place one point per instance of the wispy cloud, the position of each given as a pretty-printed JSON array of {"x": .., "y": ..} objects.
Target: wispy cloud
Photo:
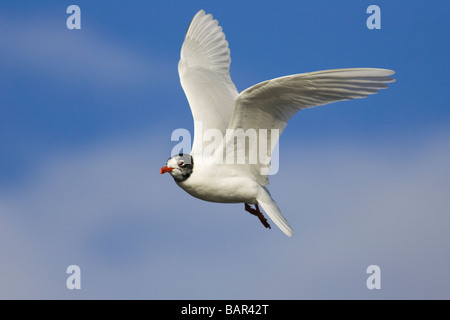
[
  {"x": 47, "y": 47},
  {"x": 107, "y": 209}
]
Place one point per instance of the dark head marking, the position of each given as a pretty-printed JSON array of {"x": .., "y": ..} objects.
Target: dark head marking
[{"x": 183, "y": 165}]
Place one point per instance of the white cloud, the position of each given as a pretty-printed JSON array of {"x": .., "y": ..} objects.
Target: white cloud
[
  {"x": 47, "y": 47},
  {"x": 135, "y": 234}
]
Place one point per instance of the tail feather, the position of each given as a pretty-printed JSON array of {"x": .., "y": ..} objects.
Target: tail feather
[{"x": 270, "y": 207}]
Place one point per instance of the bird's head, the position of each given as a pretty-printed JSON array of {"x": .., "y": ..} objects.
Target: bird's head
[{"x": 180, "y": 167}]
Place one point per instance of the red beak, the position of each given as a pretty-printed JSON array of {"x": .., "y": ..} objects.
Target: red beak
[{"x": 165, "y": 170}]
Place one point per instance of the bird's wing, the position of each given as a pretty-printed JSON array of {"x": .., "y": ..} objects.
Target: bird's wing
[
  {"x": 270, "y": 104},
  {"x": 204, "y": 75}
]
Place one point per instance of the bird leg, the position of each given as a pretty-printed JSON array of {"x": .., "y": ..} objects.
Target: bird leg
[{"x": 257, "y": 213}]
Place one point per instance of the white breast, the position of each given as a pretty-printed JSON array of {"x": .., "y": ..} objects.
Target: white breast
[{"x": 221, "y": 183}]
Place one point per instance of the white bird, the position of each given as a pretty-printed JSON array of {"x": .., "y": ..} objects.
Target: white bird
[{"x": 216, "y": 105}]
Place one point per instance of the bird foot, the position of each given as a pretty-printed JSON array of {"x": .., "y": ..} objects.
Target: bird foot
[{"x": 257, "y": 213}]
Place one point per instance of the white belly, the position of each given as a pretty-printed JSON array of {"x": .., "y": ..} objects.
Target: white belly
[{"x": 220, "y": 183}]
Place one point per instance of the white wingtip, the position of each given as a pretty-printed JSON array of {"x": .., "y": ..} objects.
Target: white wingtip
[{"x": 205, "y": 44}]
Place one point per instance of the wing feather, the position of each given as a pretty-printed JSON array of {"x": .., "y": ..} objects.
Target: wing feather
[
  {"x": 270, "y": 104},
  {"x": 204, "y": 75}
]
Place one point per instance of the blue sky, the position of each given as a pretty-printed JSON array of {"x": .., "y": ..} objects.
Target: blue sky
[{"x": 85, "y": 123}]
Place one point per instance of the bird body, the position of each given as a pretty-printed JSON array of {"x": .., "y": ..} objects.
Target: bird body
[
  {"x": 229, "y": 186},
  {"x": 261, "y": 111}
]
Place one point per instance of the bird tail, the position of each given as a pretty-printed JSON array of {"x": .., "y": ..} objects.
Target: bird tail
[{"x": 270, "y": 207}]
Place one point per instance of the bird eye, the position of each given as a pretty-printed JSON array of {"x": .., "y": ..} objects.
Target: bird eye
[{"x": 180, "y": 163}]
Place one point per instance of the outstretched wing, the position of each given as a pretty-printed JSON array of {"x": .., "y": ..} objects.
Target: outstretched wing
[
  {"x": 270, "y": 104},
  {"x": 204, "y": 75}
]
